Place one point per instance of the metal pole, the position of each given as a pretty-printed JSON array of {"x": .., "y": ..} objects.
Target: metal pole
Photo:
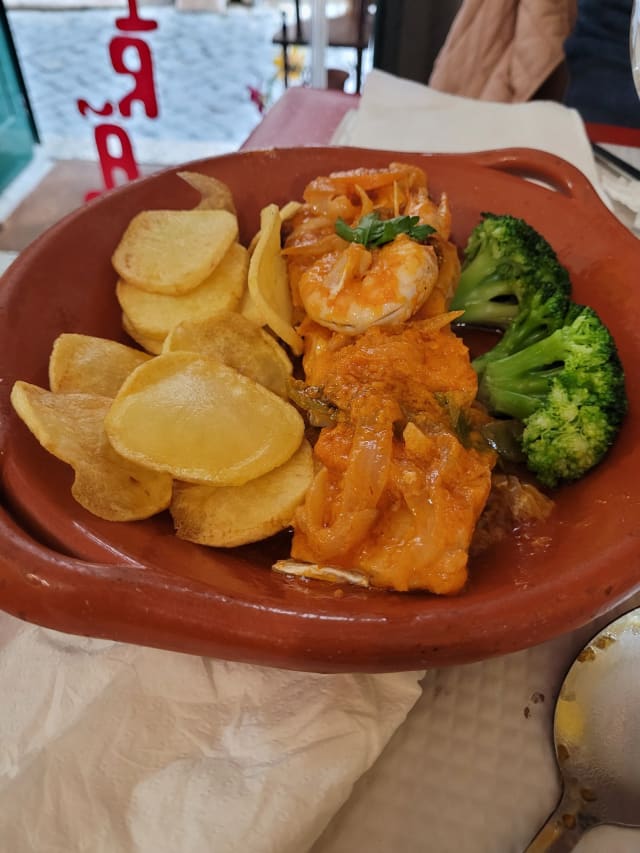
[{"x": 318, "y": 44}]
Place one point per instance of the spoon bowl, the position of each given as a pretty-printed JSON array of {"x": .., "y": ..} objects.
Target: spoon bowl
[{"x": 597, "y": 738}]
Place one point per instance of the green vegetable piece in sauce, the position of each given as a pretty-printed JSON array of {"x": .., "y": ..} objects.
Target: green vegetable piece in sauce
[{"x": 373, "y": 231}]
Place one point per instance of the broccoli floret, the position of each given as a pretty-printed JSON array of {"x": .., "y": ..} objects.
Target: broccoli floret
[
  {"x": 542, "y": 310},
  {"x": 511, "y": 279},
  {"x": 568, "y": 391}
]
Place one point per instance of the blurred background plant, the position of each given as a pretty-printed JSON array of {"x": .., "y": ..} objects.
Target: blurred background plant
[{"x": 296, "y": 73}]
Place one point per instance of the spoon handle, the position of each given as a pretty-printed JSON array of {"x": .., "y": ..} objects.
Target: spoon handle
[{"x": 562, "y": 831}]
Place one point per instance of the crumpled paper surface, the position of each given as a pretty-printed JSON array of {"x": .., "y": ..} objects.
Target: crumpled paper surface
[{"x": 113, "y": 748}]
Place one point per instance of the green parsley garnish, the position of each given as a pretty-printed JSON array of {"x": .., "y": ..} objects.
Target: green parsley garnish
[{"x": 373, "y": 231}]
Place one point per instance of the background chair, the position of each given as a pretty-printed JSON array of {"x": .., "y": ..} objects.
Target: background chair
[{"x": 351, "y": 30}]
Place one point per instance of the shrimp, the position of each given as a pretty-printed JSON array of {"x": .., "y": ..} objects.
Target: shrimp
[
  {"x": 396, "y": 492},
  {"x": 438, "y": 216},
  {"x": 355, "y": 288},
  {"x": 445, "y": 286}
]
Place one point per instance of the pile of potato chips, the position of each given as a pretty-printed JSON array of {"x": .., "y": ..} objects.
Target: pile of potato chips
[{"x": 198, "y": 421}]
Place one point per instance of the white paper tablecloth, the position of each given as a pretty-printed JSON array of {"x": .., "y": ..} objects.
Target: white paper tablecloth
[{"x": 472, "y": 770}]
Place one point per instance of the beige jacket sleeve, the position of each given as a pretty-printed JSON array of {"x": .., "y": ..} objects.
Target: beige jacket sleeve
[{"x": 503, "y": 50}]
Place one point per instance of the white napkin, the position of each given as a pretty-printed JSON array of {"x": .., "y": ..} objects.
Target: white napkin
[
  {"x": 402, "y": 115},
  {"x": 113, "y": 748}
]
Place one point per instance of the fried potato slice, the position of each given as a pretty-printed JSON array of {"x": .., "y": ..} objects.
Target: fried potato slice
[
  {"x": 215, "y": 194},
  {"x": 238, "y": 343},
  {"x": 268, "y": 280},
  {"x": 71, "y": 427},
  {"x": 288, "y": 211},
  {"x": 248, "y": 309},
  {"x": 155, "y": 314},
  {"x": 147, "y": 342},
  {"x": 228, "y": 516},
  {"x": 201, "y": 421},
  {"x": 173, "y": 251},
  {"x": 86, "y": 364}
]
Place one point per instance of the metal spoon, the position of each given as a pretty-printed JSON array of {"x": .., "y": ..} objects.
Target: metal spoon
[{"x": 597, "y": 738}]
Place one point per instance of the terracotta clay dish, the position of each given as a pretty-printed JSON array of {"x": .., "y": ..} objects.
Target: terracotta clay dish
[{"x": 137, "y": 582}]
